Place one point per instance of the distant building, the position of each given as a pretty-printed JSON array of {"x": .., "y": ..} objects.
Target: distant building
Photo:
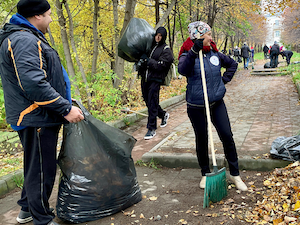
[{"x": 274, "y": 25}]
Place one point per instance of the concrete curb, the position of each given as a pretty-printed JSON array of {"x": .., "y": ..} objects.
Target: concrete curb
[
  {"x": 9, "y": 182},
  {"x": 131, "y": 118},
  {"x": 188, "y": 160}
]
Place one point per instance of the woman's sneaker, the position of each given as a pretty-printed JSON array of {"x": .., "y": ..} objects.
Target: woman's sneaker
[
  {"x": 239, "y": 184},
  {"x": 164, "y": 120},
  {"x": 203, "y": 182},
  {"x": 150, "y": 134}
]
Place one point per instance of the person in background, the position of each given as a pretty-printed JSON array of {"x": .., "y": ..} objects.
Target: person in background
[
  {"x": 189, "y": 66},
  {"x": 281, "y": 48},
  {"x": 252, "y": 55},
  {"x": 245, "y": 54},
  {"x": 265, "y": 50},
  {"x": 230, "y": 52},
  {"x": 236, "y": 54},
  {"x": 36, "y": 103},
  {"x": 288, "y": 55},
  {"x": 153, "y": 71},
  {"x": 274, "y": 52}
]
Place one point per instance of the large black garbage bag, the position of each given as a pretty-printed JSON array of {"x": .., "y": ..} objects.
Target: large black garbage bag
[
  {"x": 286, "y": 148},
  {"x": 267, "y": 65},
  {"x": 136, "y": 40},
  {"x": 98, "y": 174}
]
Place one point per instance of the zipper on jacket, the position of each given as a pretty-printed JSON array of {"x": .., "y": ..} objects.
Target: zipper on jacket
[{"x": 150, "y": 58}]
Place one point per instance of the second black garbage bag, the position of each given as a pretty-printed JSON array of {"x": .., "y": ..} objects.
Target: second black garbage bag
[{"x": 136, "y": 40}]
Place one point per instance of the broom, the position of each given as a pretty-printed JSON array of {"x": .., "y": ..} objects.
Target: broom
[{"x": 216, "y": 185}]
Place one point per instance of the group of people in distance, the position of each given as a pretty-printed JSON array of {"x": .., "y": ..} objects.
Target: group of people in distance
[
  {"x": 246, "y": 53},
  {"x": 274, "y": 51}
]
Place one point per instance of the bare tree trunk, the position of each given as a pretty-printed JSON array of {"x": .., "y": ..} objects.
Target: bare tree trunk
[
  {"x": 67, "y": 52},
  {"x": 71, "y": 34},
  {"x": 212, "y": 13},
  {"x": 181, "y": 30},
  {"x": 51, "y": 38},
  {"x": 166, "y": 14},
  {"x": 156, "y": 11},
  {"x": 95, "y": 37},
  {"x": 119, "y": 70}
]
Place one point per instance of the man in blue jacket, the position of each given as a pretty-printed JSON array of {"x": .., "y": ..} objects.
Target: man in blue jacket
[{"x": 35, "y": 103}]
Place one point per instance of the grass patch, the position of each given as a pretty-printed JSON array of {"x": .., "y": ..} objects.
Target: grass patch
[
  {"x": 19, "y": 181},
  {"x": 151, "y": 164},
  {"x": 10, "y": 164}
]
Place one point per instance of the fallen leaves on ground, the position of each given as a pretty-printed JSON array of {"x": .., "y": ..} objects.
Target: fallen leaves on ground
[{"x": 281, "y": 199}]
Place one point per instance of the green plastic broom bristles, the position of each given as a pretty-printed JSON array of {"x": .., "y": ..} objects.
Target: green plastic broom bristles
[{"x": 215, "y": 187}]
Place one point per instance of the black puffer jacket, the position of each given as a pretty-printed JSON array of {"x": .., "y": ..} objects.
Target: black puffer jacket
[
  {"x": 160, "y": 59},
  {"x": 245, "y": 51},
  {"x": 32, "y": 78}
]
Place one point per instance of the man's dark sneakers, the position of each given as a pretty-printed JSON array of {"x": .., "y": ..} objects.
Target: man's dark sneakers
[
  {"x": 164, "y": 120},
  {"x": 150, "y": 134},
  {"x": 24, "y": 217}
]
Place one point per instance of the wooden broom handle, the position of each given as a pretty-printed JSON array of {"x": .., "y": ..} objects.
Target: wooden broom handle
[{"x": 207, "y": 109}]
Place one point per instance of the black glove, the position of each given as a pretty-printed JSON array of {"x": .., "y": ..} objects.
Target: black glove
[
  {"x": 142, "y": 63},
  {"x": 198, "y": 45},
  {"x": 144, "y": 58}
]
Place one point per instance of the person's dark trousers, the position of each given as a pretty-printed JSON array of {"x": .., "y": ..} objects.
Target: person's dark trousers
[
  {"x": 39, "y": 146},
  {"x": 266, "y": 55},
  {"x": 288, "y": 58},
  {"x": 150, "y": 91},
  {"x": 221, "y": 122},
  {"x": 274, "y": 60},
  {"x": 246, "y": 61}
]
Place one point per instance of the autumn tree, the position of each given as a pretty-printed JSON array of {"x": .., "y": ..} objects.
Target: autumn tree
[{"x": 291, "y": 27}]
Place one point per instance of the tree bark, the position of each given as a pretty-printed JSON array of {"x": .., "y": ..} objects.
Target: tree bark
[
  {"x": 67, "y": 52},
  {"x": 71, "y": 34},
  {"x": 119, "y": 70},
  {"x": 95, "y": 37},
  {"x": 51, "y": 38},
  {"x": 166, "y": 14}
]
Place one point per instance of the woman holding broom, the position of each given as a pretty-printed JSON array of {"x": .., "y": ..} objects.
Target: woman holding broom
[{"x": 189, "y": 66}]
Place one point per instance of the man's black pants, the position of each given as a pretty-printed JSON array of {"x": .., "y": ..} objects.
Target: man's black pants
[
  {"x": 288, "y": 58},
  {"x": 274, "y": 60},
  {"x": 221, "y": 122},
  {"x": 39, "y": 171},
  {"x": 150, "y": 92}
]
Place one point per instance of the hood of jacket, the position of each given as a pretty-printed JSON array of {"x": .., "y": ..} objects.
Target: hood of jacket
[
  {"x": 163, "y": 32},
  {"x": 17, "y": 23}
]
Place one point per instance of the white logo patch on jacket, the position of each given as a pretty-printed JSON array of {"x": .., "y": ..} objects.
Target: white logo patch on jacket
[{"x": 214, "y": 60}]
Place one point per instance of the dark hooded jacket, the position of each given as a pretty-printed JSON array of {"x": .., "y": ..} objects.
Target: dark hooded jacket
[
  {"x": 32, "y": 77},
  {"x": 245, "y": 51},
  {"x": 160, "y": 59}
]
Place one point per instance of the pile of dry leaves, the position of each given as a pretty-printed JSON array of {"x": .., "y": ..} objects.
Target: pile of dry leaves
[{"x": 281, "y": 199}]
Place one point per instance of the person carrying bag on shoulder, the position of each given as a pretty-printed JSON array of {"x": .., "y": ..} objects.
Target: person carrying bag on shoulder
[{"x": 153, "y": 70}]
